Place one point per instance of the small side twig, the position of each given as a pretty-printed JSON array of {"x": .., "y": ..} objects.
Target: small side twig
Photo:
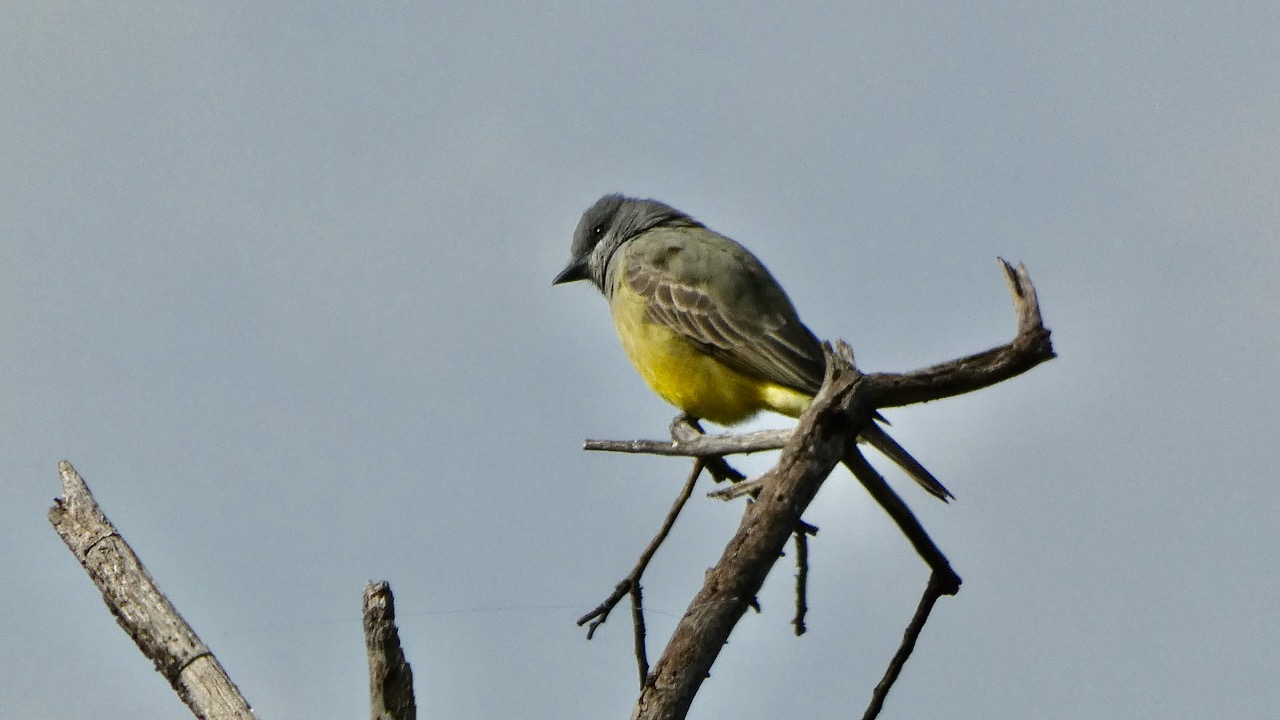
[
  {"x": 637, "y": 622},
  {"x": 942, "y": 579},
  {"x": 803, "y": 531},
  {"x": 742, "y": 489},
  {"x": 704, "y": 446},
  {"x": 600, "y": 614},
  {"x": 934, "y": 590},
  {"x": 906, "y": 520},
  {"x": 390, "y": 677}
]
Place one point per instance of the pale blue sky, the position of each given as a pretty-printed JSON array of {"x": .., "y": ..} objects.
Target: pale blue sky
[{"x": 275, "y": 278}]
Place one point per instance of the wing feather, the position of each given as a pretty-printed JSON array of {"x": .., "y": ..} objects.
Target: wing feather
[
  {"x": 717, "y": 294},
  {"x": 746, "y": 320}
]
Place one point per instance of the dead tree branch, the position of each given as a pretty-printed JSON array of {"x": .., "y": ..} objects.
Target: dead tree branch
[
  {"x": 390, "y": 677},
  {"x": 905, "y": 519},
  {"x": 144, "y": 613},
  {"x": 822, "y": 438},
  {"x": 701, "y": 446},
  {"x": 729, "y": 587},
  {"x": 683, "y": 429},
  {"x": 802, "y": 577},
  {"x": 932, "y": 592},
  {"x": 600, "y": 614},
  {"x": 637, "y": 624}
]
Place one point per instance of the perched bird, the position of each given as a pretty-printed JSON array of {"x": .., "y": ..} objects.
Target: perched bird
[{"x": 703, "y": 321}]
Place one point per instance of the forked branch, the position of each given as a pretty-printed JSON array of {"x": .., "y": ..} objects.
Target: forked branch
[{"x": 821, "y": 439}]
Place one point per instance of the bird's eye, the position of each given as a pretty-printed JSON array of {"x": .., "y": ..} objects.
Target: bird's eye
[{"x": 597, "y": 231}]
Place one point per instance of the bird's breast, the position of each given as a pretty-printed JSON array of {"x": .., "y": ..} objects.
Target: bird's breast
[{"x": 685, "y": 376}]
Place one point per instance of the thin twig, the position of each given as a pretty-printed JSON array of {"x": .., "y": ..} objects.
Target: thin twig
[
  {"x": 637, "y": 623},
  {"x": 1029, "y": 347},
  {"x": 934, "y": 590},
  {"x": 705, "y": 446},
  {"x": 600, "y": 614},
  {"x": 802, "y": 580},
  {"x": 733, "y": 492},
  {"x": 906, "y": 520}
]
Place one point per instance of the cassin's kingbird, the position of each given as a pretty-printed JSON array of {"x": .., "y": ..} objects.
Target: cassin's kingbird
[{"x": 703, "y": 321}]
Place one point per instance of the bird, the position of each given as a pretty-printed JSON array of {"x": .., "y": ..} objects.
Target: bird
[{"x": 703, "y": 321}]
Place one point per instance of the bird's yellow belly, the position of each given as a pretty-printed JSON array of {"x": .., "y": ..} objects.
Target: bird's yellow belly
[{"x": 695, "y": 382}]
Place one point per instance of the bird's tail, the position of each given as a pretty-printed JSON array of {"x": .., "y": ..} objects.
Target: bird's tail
[{"x": 880, "y": 440}]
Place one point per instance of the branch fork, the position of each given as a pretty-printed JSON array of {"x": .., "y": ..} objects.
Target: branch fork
[{"x": 824, "y": 436}]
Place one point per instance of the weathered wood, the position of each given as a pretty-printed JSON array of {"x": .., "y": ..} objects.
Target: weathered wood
[
  {"x": 822, "y": 439},
  {"x": 144, "y": 613},
  {"x": 700, "y": 446},
  {"x": 390, "y": 677}
]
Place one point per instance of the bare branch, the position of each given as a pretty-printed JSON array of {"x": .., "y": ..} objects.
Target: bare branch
[
  {"x": 814, "y": 449},
  {"x": 942, "y": 580},
  {"x": 600, "y": 614},
  {"x": 802, "y": 580},
  {"x": 932, "y": 592},
  {"x": 390, "y": 677},
  {"x": 637, "y": 624},
  {"x": 704, "y": 446},
  {"x": 906, "y": 520},
  {"x": 142, "y": 611},
  {"x": 1030, "y": 347},
  {"x": 742, "y": 489},
  {"x": 823, "y": 437}
]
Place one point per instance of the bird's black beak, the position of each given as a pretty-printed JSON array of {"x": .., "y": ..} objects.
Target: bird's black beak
[{"x": 574, "y": 271}]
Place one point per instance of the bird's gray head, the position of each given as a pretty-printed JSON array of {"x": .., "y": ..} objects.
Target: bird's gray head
[{"x": 605, "y": 226}]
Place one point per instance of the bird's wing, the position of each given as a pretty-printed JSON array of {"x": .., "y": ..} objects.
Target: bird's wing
[
  {"x": 717, "y": 294},
  {"x": 746, "y": 321}
]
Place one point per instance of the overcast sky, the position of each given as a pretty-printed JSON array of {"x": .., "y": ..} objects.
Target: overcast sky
[{"x": 276, "y": 279}]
